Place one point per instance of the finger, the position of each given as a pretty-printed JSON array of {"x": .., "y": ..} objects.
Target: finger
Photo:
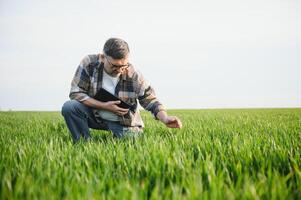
[
  {"x": 175, "y": 124},
  {"x": 116, "y": 102},
  {"x": 172, "y": 126},
  {"x": 123, "y": 109},
  {"x": 124, "y": 112},
  {"x": 121, "y": 113},
  {"x": 179, "y": 123}
]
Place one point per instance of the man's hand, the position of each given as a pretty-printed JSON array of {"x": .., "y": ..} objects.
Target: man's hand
[
  {"x": 112, "y": 106},
  {"x": 169, "y": 121},
  {"x": 172, "y": 122}
]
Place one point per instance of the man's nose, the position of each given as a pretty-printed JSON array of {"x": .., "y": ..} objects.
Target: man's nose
[{"x": 119, "y": 70}]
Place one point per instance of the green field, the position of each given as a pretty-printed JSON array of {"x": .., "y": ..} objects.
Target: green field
[{"x": 218, "y": 154}]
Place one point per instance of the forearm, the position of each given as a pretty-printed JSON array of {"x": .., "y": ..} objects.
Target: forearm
[
  {"x": 162, "y": 115},
  {"x": 93, "y": 103}
]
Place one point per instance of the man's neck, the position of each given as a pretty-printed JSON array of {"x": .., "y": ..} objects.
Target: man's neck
[{"x": 105, "y": 71}]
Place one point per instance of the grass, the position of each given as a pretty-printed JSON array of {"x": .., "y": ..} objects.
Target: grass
[{"x": 219, "y": 154}]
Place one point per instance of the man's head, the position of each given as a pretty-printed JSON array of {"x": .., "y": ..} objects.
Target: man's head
[{"x": 115, "y": 56}]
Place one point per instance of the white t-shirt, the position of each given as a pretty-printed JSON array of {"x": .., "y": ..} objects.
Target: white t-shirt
[{"x": 109, "y": 83}]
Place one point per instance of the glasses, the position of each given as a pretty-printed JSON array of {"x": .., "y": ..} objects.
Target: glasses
[{"x": 116, "y": 67}]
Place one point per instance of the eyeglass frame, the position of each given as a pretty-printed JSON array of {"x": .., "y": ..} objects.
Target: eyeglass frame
[{"x": 117, "y": 66}]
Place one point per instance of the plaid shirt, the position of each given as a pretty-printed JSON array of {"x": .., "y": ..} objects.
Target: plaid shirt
[{"x": 131, "y": 88}]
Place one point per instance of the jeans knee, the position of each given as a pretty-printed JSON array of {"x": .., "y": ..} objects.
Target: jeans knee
[{"x": 69, "y": 107}]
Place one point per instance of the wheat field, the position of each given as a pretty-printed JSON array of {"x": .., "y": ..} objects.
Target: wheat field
[{"x": 218, "y": 154}]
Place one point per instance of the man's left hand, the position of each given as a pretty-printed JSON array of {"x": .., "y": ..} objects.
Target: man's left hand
[{"x": 172, "y": 122}]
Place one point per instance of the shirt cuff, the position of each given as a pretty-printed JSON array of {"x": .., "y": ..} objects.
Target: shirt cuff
[{"x": 79, "y": 96}]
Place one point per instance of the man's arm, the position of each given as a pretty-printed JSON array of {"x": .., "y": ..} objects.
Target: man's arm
[
  {"x": 149, "y": 101},
  {"x": 169, "y": 121}
]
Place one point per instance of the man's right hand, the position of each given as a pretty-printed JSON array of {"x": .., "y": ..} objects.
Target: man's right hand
[{"x": 112, "y": 106}]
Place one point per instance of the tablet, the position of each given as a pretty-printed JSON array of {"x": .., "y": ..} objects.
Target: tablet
[{"x": 105, "y": 96}]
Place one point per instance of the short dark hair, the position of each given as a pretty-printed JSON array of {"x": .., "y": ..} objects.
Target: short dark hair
[{"x": 116, "y": 48}]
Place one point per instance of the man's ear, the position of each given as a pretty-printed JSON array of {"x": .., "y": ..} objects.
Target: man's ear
[{"x": 101, "y": 57}]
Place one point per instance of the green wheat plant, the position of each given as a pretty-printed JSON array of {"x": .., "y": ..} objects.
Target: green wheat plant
[{"x": 218, "y": 154}]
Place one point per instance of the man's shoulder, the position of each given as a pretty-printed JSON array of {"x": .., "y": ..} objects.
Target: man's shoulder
[
  {"x": 90, "y": 59},
  {"x": 90, "y": 63}
]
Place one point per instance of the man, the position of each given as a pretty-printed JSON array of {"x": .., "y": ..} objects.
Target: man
[{"x": 111, "y": 71}]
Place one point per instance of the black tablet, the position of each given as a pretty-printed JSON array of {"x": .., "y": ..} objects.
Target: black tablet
[{"x": 104, "y": 96}]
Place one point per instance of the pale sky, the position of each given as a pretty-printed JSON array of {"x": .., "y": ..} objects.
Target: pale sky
[{"x": 196, "y": 54}]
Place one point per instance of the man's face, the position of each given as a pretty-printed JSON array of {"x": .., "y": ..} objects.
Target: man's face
[{"x": 114, "y": 67}]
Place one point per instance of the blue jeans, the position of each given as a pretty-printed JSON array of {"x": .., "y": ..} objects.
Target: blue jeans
[{"x": 79, "y": 118}]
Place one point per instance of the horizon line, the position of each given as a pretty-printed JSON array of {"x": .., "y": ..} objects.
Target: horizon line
[{"x": 204, "y": 108}]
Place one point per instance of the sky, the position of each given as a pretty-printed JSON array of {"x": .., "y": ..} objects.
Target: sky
[{"x": 195, "y": 54}]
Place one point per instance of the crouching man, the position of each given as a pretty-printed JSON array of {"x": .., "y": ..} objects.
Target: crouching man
[{"x": 111, "y": 71}]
